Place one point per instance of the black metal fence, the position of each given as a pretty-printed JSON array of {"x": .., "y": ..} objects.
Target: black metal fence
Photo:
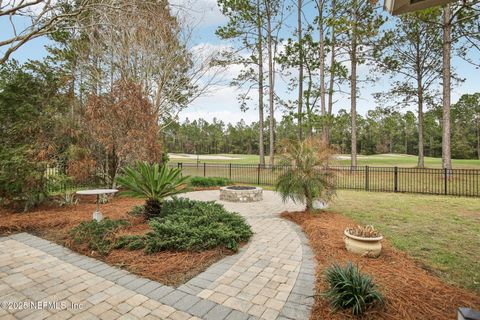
[
  {"x": 57, "y": 181},
  {"x": 457, "y": 182}
]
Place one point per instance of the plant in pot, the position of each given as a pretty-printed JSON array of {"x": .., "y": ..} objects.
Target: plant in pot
[
  {"x": 306, "y": 178},
  {"x": 151, "y": 181},
  {"x": 363, "y": 240}
]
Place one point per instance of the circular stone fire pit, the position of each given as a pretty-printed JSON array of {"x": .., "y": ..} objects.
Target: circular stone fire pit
[{"x": 241, "y": 194}]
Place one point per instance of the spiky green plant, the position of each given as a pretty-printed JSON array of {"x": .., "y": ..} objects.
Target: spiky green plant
[
  {"x": 306, "y": 177},
  {"x": 151, "y": 181},
  {"x": 349, "y": 288}
]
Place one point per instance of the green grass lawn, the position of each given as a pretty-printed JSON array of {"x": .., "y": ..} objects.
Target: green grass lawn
[
  {"x": 233, "y": 158},
  {"x": 385, "y": 160},
  {"x": 443, "y": 233}
]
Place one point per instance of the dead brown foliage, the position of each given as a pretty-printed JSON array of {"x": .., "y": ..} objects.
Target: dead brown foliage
[
  {"x": 54, "y": 223},
  {"x": 411, "y": 291}
]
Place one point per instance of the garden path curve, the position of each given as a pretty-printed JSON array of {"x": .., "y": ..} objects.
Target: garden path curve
[{"x": 270, "y": 278}]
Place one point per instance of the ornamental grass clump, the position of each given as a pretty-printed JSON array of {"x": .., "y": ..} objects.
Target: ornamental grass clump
[{"x": 350, "y": 289}]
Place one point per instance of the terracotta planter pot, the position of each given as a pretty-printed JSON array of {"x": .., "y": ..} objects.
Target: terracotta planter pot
[{"x": 369, "y": 247}]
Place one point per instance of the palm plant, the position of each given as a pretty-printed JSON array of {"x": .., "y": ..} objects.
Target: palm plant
[
  {"x": 153, "y": 182},
  {"x": 306, "y": 177}
]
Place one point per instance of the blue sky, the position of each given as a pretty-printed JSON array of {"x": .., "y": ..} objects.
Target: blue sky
[{"x": 221, "y": 103}]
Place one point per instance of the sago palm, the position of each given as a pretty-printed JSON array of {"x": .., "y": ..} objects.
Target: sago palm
[
  {"x": 305, "y": 177},
  {"x": 151, "y": 181}
]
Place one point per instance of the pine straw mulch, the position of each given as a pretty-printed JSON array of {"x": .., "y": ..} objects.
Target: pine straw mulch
[
  {"x": 411, "y": 292},
  {"x": 53, "y": 223}
]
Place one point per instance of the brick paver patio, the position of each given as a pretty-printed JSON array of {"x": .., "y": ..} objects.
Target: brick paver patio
[{"x": 270, "y": 278}]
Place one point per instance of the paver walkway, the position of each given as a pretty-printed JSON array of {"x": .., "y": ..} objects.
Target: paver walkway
[{"x": 270, "y": 278}]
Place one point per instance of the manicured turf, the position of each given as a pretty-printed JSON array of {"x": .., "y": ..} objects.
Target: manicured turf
[
  {"x": 441, "y": 232},
  {"x": 386, "y": 160},
  {"x": 233, "y": 158}
]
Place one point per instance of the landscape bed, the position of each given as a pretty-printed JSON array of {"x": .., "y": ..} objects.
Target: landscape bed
[
  {"x": 410, "y": 291},
  {"x": 170, "y": 267}
]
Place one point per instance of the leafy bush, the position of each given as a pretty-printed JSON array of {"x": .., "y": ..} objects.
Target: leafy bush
[
  {"x": 153, "y": 182},
  {"x": 305, "y": 177},
  {"x": 137, "y": 210},
  {"x": 31, "y": 130},
  {"x": 99, "y": 236},
  {"x": 132, "y": 242},
  {"x": 209, "y": 181},
  {"x": 67, "y": 198},
  {"x": 349, "y": 288},
  {"x": 191, "y": 225}
]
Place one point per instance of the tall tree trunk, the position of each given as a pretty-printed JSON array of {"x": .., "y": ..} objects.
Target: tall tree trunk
[
  {"x": 321, "y": 49},
  {"x": 261, "y": 150},
  {"x": 478, "y": 138},
  {"x": 432, "y": 147},
  {"x": 271, "y": 86},
  {"x": 447, "y": 47},
  {"x": 421, "y": 160},
  {"x": 353, "y": 86},
  {"x": 308, "y": 107},
  {"x": 332, "y": 72},
  {"x": 406, "y": 139},
  {"x": 300, "y": 71}
]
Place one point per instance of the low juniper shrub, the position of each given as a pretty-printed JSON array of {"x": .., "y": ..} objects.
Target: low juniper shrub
[
  {"x": 99, "y": 236},
  {"x": 190, "y": 225}
]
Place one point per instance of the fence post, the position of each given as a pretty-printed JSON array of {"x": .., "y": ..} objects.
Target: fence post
[
  {"x": 230, "y": 171},
  {"x": 366, "y": 178},
  {"x": 258, "y": 174},
  {"x": 445, "y": 179},
  {"x": 204, "y": 169},
  {"x": 395, "y": 180},
  {"x": 180, "y": 166}
]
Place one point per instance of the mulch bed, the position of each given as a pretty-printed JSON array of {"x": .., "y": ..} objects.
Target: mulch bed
[
  {"x": 53, "y": 223},
  {"x": 411, "y": 291}
]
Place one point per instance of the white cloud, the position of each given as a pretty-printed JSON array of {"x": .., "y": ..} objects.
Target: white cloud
[
  {"x": 200, "y": 13},
  {"x": 221, "y": 104}
]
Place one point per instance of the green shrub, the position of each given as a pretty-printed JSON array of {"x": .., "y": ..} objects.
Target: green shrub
[
  {"x": 349, "y": 288},
  {"x": 190, "y": 225},
  {"x": 137, "y": 210},
  {"x": 67, "y": 198},
  {"x": 31, "y": 131},
  {"x": 99, "y": 236},
  {"x": 209, "y": 181},
  {"x": 151, "y": 181},
  {"x": 134, "y": 242}
]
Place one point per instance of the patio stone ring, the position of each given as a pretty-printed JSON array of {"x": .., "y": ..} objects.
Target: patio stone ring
[{"x": 241, "y": 194}]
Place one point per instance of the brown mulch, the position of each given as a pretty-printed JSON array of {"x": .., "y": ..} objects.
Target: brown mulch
[
  {"x": 411, "y": 292},
  {"x": 53, "y": 223}
]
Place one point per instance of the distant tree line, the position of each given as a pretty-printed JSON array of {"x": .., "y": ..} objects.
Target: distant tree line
[
  {"x": 320, "y": 46},
  {"x": 381, "y": 130}
]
